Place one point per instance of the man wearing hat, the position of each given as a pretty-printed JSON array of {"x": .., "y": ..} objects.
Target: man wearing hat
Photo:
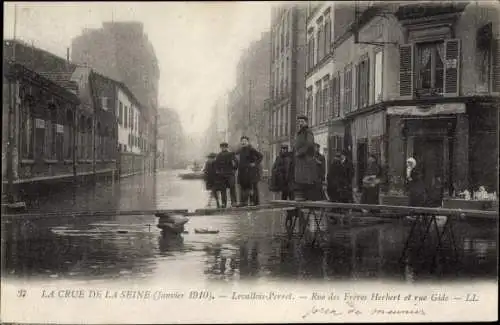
[
  {"x": 339, "y": 179},
  {"x": 226, "y": 166},
  {"x": 210, "y": 176},
  {"x": 306, "y": 170},
  {"x": 281, "y": 178}
]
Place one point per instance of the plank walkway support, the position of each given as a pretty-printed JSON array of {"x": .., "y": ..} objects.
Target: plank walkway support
[{"x": 422, "y": 218}]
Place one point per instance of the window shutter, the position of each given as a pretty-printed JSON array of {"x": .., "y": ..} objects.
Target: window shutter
[
  {"x": 337, "y": 94},
  {"x": 451, "y": 67},
  {"x": 495, "y": 71},
  {"x": 331, "y": 107},
  {"x": 406, "y": 59},
  {"x": 355, "y": 86}
]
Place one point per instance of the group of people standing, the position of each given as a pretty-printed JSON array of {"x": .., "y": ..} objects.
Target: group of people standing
[
  {"x": 224, "y": 169},
  {"x": 302, "y": 174}
]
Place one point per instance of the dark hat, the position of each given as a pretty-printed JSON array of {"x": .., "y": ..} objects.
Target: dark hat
[
  {"x": 317, "y": 145},
  {"x": 284, "y": 146},
  {"x": 224, "y": 145},
  {"x": 302, "y": 117},
  {"x": 211, "y": 155}
]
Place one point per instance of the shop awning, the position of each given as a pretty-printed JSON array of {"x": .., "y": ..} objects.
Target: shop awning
[{"x": 434, "y": 109}]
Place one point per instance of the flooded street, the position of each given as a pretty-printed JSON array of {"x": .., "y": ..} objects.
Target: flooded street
[{"x": 248, "y": 246}]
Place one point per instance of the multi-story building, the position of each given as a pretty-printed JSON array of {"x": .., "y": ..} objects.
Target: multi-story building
[
  {"x": 247, "y": 100},
  {"x": 322, "y": 81},
  {"x": 123, "y": 52},
  {"x": 287, "y": 68},
  {"x": 421, "y": 81}
]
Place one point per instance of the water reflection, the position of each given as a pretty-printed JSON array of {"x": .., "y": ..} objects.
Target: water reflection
[{"x": 249, "y": 246}]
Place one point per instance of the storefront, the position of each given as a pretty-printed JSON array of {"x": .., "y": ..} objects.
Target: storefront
[
  {"x": 367, "y": 137},
  {"x": 436, "y": 135}
]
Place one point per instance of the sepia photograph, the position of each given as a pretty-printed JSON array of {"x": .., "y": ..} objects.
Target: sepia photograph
[{"x": 250, "y": 161}]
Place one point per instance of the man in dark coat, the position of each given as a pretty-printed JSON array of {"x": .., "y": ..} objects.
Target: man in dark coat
[
  {"x": 210, "y": 176},
  {"x": 280, "y": 174},
  {"x": 225, "y": 166},
  {"x": 248, "y": 172},
  {"x": 371, "y": 182},
  {"x": 306, "y": 170},
  {"x": 321, "y": 166},
  {"x": 339, "y": 183}
]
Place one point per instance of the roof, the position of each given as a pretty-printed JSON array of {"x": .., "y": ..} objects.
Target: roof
[{"x": 62, "y": 79}]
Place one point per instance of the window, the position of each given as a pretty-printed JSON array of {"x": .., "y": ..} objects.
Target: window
[
  {"x": 319, "y": 45},
  {"x": 318, "y": 103},
  {"x": 125, "y": 116},
  {"x": 27, "y": 130},
  {"x": 309, "y": 104},
  {"x": 68, "y": 135},
  {"x": 326, "y": 99},
  {"x": 335, "y": 112},
  {"x": 430, "y": 68},
  {"x": 378, "y": 72},
  {"x": 328, "y": 32},
  {"x": 347, "y": 89},
  {"x": 363, "y": 77},
  {"x": 120, "y": 114},
  {"x": 310, "y": 51}
]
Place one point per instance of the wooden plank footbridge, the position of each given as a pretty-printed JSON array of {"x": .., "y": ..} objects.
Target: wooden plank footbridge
[{"x": 300, "y": 215}]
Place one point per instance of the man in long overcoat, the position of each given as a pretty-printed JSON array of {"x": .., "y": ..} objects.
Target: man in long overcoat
[
  {"x": 225, "y": 166},
  {"x": 281, "y": 173},
  {"x": 321, "y": 165},
  {"x": 340, "y": 174},
  {"x": 306, "y": 170},
  {"x": 248, "y": 172}
]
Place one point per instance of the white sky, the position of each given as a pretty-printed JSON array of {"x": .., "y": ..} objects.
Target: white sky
[{"x": 197, "y": 44}]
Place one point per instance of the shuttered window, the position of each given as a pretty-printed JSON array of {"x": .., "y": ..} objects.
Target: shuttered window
[
  {"x": 495, "y": 71},
  {"x": 328, "y": 32},
  {"x": 363, "y": 77},
  {"x": 452, "y": 67},
  {"x": 327, "y": 99},
  {"x": 406, "y": 70},
  {"x": 331, "y": 108},
  {"x": 336, "y": 96},
  {"x": 355, "y": 89},
  {"x": 347, "y": 90},
  {"x": 309, "y": 104},
  {"x": 317, "y": 103}
]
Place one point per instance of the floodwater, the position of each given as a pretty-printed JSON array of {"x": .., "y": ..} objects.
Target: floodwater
[{"x": 248, "y": 246}]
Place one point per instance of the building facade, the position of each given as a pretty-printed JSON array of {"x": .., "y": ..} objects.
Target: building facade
[
  {"x": 39, "y": 118},
  {"x": 246, "y": 102},
  {"x": 123, "y": 52},
  {"x": 420, "y": 81},
  {"x": 287, "y": 69},
  {"x": 321, "y": 78}
]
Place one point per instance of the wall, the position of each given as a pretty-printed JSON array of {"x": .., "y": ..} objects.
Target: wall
[
  {"x": 131, "y": 163},
  {"x": 474, "y": 17}
]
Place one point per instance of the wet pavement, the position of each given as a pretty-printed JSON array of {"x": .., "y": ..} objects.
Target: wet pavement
[{"x": 248, "y": 246}]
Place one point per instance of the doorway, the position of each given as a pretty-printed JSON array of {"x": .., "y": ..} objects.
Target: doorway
[
  {"x": 361, "y": 155},
  {"x": 429, "y": 153}
]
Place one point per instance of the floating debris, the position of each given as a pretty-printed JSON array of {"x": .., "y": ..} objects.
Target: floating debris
[
  {"x": 122, "y": 231},
  {"x": 205, "y": 231}
]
